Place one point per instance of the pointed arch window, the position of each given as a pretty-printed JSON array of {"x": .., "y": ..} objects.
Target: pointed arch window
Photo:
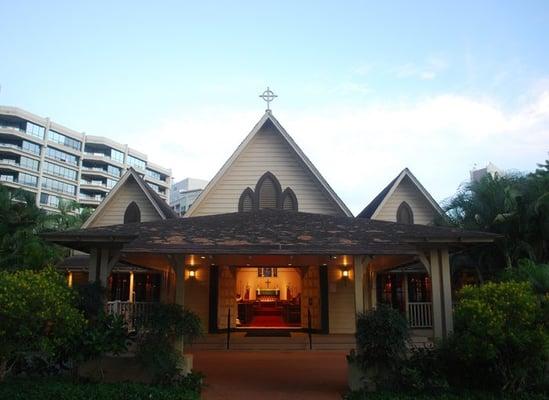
[
  {"x": 268, "y": 191},
  {"x": 132, "y": 214},
  {"x": 289, "y": 200},
  {"x": 405, "y": 214},
  {"x": 246, "y": 202}
]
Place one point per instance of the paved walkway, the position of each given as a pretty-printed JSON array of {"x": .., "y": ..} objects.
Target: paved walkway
[{"x": 266, "y": 375}]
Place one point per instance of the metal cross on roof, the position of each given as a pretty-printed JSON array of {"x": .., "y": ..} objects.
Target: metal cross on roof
[{"x": 268, "y": 95}]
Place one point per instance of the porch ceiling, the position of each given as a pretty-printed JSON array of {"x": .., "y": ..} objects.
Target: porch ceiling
[{"x": 268, "y": 232}]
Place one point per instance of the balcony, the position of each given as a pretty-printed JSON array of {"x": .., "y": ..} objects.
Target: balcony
[{"x": 95, "y": 185}]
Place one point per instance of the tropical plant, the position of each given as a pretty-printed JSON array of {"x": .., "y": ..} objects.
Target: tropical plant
[
  {"x": 166, "y": 325},
  {"x": 37, "y": 316},
  {"x": 499, "y": 330},
  {"x": 381, "y": 344},
  {"x": 21, "y": 222},
  {"x": 514, "y": 206}
]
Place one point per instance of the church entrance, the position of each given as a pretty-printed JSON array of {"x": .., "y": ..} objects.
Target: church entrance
[
  {"x": 270, "y": 293},
  {"x": 269, "y": 297}
]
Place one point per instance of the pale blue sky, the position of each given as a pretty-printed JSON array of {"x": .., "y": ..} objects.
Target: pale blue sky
[{"x": 366, "y": 89}]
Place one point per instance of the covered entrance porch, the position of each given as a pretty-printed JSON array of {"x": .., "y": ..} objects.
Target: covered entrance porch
[{"x": 338, "y": 260}]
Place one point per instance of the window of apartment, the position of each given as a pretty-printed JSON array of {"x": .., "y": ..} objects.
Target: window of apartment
[
  {"x": 113, "y": 170},
  {"x": 117, "y": 156},
  {"x": 49, "y": 200},
  {"x": 153, "y": 186},
  {"x": 111, "y": 183},
  {"x": 136, "y": 162},
  {"x": 153, "y": 174},
  {"x": 26, "y": 179},
  {"x": 7, "y": 178},
  {"x": 29, "y": 163},
  {"x": 58, "y": 170},
  {"x": 62, "y": 156},
  {"x": 58, "y": 186},
  {"x": 31, "y": 147},
  {"x": 64, "y": 140},
  {"x": 35, "y": 130},
  {"x": 10, "y": 123}
]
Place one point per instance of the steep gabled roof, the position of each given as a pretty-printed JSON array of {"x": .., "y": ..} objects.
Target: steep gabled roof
[
  {"x": 161, "y": 207},
  {"x": 372, "y": 209},
  {"x": 268, "y": 117}
]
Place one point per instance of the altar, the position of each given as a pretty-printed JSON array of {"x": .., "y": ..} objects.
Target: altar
[{"x": 267, "y": 295}]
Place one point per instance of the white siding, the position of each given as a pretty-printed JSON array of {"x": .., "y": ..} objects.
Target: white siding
[
  {"x": 424, "y": 213},
  {"x": 341, "y": 302},
  {"x": 267, "y": 151},
  {"x": 113, "y": 212}
]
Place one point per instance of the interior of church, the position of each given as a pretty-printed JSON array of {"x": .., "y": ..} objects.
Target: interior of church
[{"x": 268, "y": 297}]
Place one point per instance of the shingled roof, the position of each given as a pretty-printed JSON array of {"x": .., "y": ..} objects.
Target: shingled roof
[{"x": 267, "y": 232}]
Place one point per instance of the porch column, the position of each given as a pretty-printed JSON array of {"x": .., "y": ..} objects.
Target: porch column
[
  {"x": 92, "y": 266},
  {"x": 132, "y": 297},
  {"x": 436, "y": 293},
  {"x": 359, "y": 283},
  {"x": 102, "y": 261},
  {"x": 108, "y": 259},
  {"x": 446, "y": 291}
]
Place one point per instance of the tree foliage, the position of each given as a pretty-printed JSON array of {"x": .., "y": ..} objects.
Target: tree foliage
[
  {"x": 37, "y": 315},
  {"x": 513, "y": 206},
  {"x": 21, "y": 222}
]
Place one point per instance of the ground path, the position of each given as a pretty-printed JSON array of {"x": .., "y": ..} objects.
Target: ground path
[{"x": 272, "y": 375}]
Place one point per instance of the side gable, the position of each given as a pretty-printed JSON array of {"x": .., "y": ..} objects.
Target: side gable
[
  {"x": 268, "y": 148},
  {"x": 404, "y": 188},
  {"x": 130, "y": 188}
]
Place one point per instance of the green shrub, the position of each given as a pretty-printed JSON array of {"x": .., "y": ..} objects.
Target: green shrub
[
  {"x": 499, "y": 340},
  {"x": 164, "y": 327},
  {"x": 62, "y": 390},
  {"x": 447, "y": 395},
  {"x": 424, "y": 371},
  {"x": 381, "y": 339},
  {"x": 37, "y": 316}
]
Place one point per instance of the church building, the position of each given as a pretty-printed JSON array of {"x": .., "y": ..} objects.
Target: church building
[{"x": 269, "y": 245}]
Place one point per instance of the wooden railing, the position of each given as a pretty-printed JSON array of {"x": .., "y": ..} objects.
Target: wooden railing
[
  {"x": 132, "y": 313},
  {"x": 420, "y": 315}
]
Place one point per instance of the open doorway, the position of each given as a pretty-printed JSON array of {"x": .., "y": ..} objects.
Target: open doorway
[{"x": 269, "y": 297}]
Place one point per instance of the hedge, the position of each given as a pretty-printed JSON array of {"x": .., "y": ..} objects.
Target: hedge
[
  {"x": 450, "y": 395},
  {"x": 47, "y": 389}
]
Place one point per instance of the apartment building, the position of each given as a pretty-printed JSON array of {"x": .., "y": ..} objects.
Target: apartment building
[
  {"x": 57, "y": 163},
  {"x": 184, "y": 193}
]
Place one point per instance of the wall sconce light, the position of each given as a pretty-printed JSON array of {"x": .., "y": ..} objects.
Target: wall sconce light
[
  {"x": 345, "y": 274},
  {"x": 192, "y": 273}
]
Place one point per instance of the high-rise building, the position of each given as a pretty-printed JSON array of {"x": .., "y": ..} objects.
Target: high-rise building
[
  {"x": 490, "y": 169},
  {"x": 184, "y": 193},
  {"x": 57, "y": 163}
]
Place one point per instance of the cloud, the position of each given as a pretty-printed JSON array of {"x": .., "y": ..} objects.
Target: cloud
[
  {"x": 427, "y": 70},
  {"x": 359, "y": 149}
]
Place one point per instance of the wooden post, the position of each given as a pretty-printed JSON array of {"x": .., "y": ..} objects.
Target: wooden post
[
  {"x": 359, "y": 284},
  {"x": 69, "y": 279},
  {"x": 132, "y": 297},
  {"x": 92, "y": 266},
  {"x": 437, "y": 293},
  {"x": 446, "y": 292}
]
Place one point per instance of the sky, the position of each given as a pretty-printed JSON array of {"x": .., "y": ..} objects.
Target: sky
[{"x": 365, "y": 88}]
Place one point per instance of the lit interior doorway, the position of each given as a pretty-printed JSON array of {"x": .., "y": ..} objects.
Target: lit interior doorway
[{"x": 269, "y": 297}]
